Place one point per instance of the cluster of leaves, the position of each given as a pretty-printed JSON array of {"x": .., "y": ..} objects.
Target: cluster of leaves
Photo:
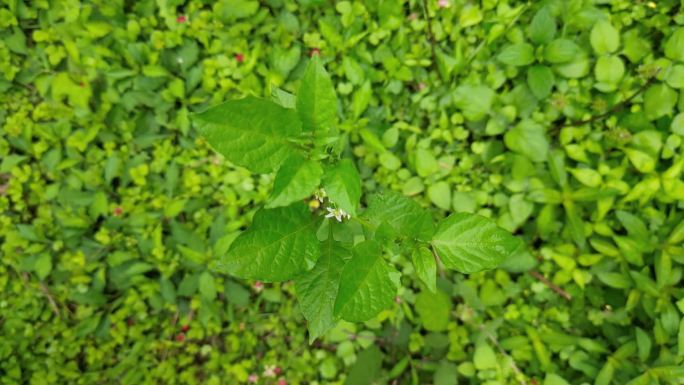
[
  {"x": 341, "y": 274},
  {"x": 110, "y": 212}
]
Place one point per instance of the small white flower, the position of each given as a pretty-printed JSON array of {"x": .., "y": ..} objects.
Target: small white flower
[
  {"x": 269, "y": 371},
  {"x": 320, "y": 195},
  {"x": 336, "y": 213}
]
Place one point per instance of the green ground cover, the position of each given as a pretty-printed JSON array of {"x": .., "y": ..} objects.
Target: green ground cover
[{"x": 562, "y": 120}]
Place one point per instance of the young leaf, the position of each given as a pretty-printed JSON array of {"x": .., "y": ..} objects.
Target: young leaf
[
  {"x": 543, "y": 26},
  {"x": 426, "y": 267},
  {"x": 280, "y": 244},
  {"x": 520, "y": 54},
  {"x": 252, "y": 133},
  {"x": 403, "y": 214},
  {"x": 540, "y": 80},
  {"x": 368, "y": 284},
  {"x": 469, "y": 243},
  {"x": 561, "y": 51},
  {"x": 528, "y": 138},
  {"x": 316, "y": 100},
  {"x": 434, "y": 310},
  {"x": 296, "y": 179},
  {"x": 342, "y": 184},
  {"x": 604, "y": 38},
  {"x": 317, "y": 289}
]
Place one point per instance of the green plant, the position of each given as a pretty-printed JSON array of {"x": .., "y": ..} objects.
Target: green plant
[{"x": 332, "y": 249}]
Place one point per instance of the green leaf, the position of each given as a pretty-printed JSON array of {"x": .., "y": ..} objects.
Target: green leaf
[
  {"x": 440, "y": 195},
  {"x": 283, "y": 98},
  {"x": 604, "y": 38},
  {"x": 426, "y": 267},
  {"x": 677, "y": 125},
  {"x": 586, "y": 176},
  {"x": 403, "y": 214},
  {"x": 433, "y": 309},
  {"x": 554, "y": 379},
  {"x": 475, "y": 101},
  {"x": 426, "y": 163},
  {"x": 342, "y": 184},
  {"x": 543, "y": 26},
  {"x": 361, "y": 99},
  {"x": 366, "y": 368},
  {"x": 674, "y": 47},
  {"x": 368, "y": 284},
  {"x": 252, "y": 133},
  {"x": 540, "y": 79},
  {"x": 561, "y": 51},
  {"x": 484, "y": 357},
  {"x": 296, "y": 179},
  {"x": 207, "y": 286},
  {"x": 316, "y": 100},
  {"x": 659, "y": 100},
  {"x": 469, "y": 243},
  {"x": 317, "y": 288},
  {"x": 520, "y": 54},
  {"x": 609, "y": 71},
  {"x": 280, "y": 244},
  {"x": 643, "y": 344},
  {"x": 529, "y": 139}
]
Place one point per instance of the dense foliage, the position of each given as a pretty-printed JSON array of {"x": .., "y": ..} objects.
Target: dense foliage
[{"x": 561, "y": 120}]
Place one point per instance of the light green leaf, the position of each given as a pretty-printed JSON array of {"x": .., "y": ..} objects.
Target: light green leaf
[
  {"x": 640, "y": 160},
  {"x": 316, "y": 100},
  {"x": 361, "y": 99},
  {"x": 342, "y": 184},
  {"x": 554, "y": 379},
  {"x": 484, "y": 358},
  {"x": 280, "y": 244},
  {"x": 528, "y": 138},
  {"x": 403, "y": 214},
  {"x": 609, "y": 70},
  {"x": 674, "y": 46},
  {"x": 296, "y": 179},
  {"x": 426, "y": 267},
  {"x": 659, "y": 100},
  {"x": 677, "y": 125},
  {"x": 434, "y": 310},
  {"x": 440, "y": 195},
  {"x": 317, "y": 288},
  {"x": 675, "y": 76},
  {"x": 426, "y": 163},
  {"x": 586, "y": 176},
  {"x": 368, "y": 284},
  {"x": 540, "y": 79},
  {"x": 643, "y": 344},
  {"x": 604, "y": 38},
  {"x": 520, "y": 54},
  {"x": 250, "y": 132},
  {"x": 207, "y": 286},
  {"x": 561, "y": 51},
  {"x": 469, "y": 243},
  {"x": 543, "y": 26},
  {"x": 474, "y": 101}
]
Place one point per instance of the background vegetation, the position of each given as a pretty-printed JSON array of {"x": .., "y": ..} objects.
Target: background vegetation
[{"x": 561, "y": 119}]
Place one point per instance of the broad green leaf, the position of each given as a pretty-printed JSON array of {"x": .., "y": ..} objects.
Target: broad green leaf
[
  {"x": 440, "y": 195},
  {"x": 674, "y": 46},
  {"x": 316, "y": 100},
  {"x": 561, "y": 51},
  {"x": 604, "y": 38},
  {"x": 367, "y": 367},
  {"x": 252, "y": 133},
  {"x": 543, "y": 26},
  {"x": 520, "y": 54},
  {"x": 575, "y": 223},
  {"x": 342, "y": 184},
  {"x": 433, "y": 309},
  {"x": 283, "y": 98},
  {"x": 361, "y": 99},
  {"x": 609, "y": 70},
  {"x": 426, "y": 267},
  {"x": 635, "y": 227},
  {"x": 556, "y": 164},
  {"x": 470, "y": 15},
  {"x": 586, "y": 176},
  {"x": 528, "y": 138},
  {"x": 675, "y": 76},
  {"x": 659, "y": 100},
  {"x": 368, "y": 284},
  {"x": 474, "y": 101},
  {"x": 446, "y": 374},
  {"x": 296, "y": 179},
  {"x": 484, "y": 357},
  {"x": 640, "y": 160},
  {"x": 469, "y": 243},
  {"x": 677, "y": 125},
  {"x": 317, "y": 289},
  {"x": 426, "y": 163},
  {"x": 403, "y": 214},
  {"x": 280, "y": 244},
  {"x": 540, "y": 79},
  {"x": 207, "y": 286}
]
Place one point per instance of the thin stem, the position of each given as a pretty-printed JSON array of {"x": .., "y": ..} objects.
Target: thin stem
[
  {"x": 551, "y": 285},
  {"x": 431, "y": 37}
]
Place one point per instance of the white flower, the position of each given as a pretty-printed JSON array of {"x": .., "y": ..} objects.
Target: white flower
[
  {"x": 269, "y": 371},
  {"x": 338, "y": 214},
  {"x": 320, "y": 195}
]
